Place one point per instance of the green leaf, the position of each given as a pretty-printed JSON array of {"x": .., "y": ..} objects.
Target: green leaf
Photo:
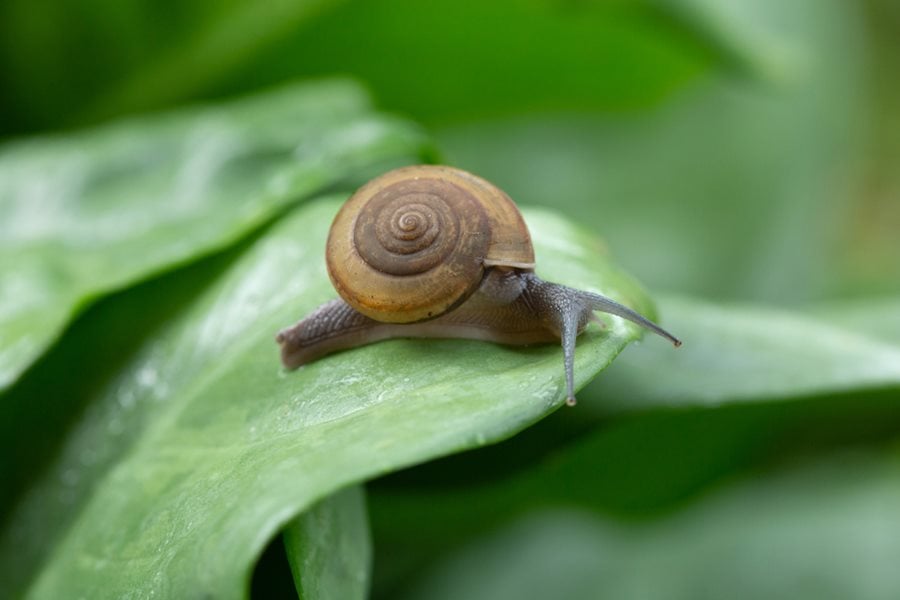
[
  {"x": 84, "y": 214},
  {"x": 330, "y": 549},
  {"x": 878, "y": 318},
  {"x": 824, "y": 529},
  {"x": 202, "y": 447},
  {"x": 746, "y": 354}
]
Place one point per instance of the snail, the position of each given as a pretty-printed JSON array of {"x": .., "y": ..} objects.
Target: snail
[{"x": 436, "y": 252}]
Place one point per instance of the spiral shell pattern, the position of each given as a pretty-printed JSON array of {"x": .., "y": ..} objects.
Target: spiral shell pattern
[
  {"x": 409, "y": 248},
  {"x": 411, "y": 227}
]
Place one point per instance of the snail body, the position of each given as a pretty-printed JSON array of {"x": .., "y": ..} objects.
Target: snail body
[{"x": 436, "y": 252}]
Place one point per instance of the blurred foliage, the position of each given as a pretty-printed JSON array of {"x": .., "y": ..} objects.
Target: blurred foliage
[
  {"x": 134, "y": 199},
  {"x": 751, "y": 541},
  {"x": 458, "y": 58},
  {"x": 741, "y": 152}
]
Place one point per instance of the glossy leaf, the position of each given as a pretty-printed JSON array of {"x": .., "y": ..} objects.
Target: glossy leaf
[
  {"x": 330, "y": 549},
  {"x": 92, "y": 212},
  {"x": 203, "y": 447}
]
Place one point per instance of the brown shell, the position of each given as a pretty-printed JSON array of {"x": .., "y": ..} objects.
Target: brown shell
[{"x": 413, "y": 243}]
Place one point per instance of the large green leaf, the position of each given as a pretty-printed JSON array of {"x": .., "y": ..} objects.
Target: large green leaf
[
  {"x": 829, "y": 529},
  {"x": 88, "y": 213},
  {"x": 202, "y": 447}
]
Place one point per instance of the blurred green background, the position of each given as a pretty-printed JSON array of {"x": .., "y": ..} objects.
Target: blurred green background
[
  {"x": 756, "y": 142},
  {"x": 746, "y": 153}
]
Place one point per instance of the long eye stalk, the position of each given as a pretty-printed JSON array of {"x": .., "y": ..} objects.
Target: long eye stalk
[
  {"x": 604, "y": 304},
  {"x": 569, "y": 310}
]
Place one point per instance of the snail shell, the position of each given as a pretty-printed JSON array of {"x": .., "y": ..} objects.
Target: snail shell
[{"x": 414, "y": 243}]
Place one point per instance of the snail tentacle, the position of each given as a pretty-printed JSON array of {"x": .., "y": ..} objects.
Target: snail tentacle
[
  {"x": 569, "y": 310},
  {"x": 604, "y": 304}
]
